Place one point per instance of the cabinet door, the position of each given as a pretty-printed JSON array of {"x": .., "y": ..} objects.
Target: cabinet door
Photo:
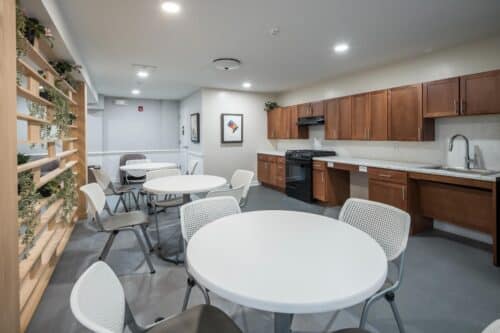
[
  {"x": 319, "y": 185},
  {"x": 441, "y": 98},
  {"x": 296, "y": 131},
  {"x": 405, "y": 113},
  {"x": 280, "y": 172},
  {"x": 273, "y": 172},
  {"x": 284, "y": 123},
  {"x": 345, "y": 117},
  {"x": 480, "y": 93},
  {"x": 378, "y": 115},
  {"x": 273, "y": 123},
  {"x": 360, "y": 117},
  {"x": 332, "y": 119},
  {"x": 318, "y": 109},
  {"x": 304, "y": 110},
  {"x": 389, "y": 193},
  {"x": 262, "y": 170}
]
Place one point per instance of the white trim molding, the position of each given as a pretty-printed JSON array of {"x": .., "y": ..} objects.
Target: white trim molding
[{"x": 121, "y": 152}]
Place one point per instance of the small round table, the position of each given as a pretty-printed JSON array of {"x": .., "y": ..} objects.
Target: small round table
[
  {"x": 185, "y": 185},
  {"x": 286, "y": 262},
  {"x": 150, "y": 166}
]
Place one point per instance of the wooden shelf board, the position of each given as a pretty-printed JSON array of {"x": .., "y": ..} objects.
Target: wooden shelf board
[
  {"x": 69, "y": 139},
  {"x": 38, "y": 58},
  {"x": 22, "y": 116},
  {"x": 41, "y": 162},
  {"x": 51, "y": 247},
  {"x": 34, "y": 74},
  {"x": 53, "y": 174},
  {"x": 68, "y": 86},
  {"x": 23, "y": 92},
  {"x": 25, "y": 265}
]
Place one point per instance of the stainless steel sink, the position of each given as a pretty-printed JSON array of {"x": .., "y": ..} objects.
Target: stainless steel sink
[{"x": 480, "y": 172}]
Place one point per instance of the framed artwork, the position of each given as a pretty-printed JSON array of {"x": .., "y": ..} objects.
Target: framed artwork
[
  {"x": 231, "y": 126},
  {"x": 195, "y": 127}
]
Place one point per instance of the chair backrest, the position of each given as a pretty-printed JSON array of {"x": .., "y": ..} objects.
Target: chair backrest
[
  {"x": 494, "y": 327},
  {"x": 102, "y": 178},
  {"x": 137, "y": 173},
  {"x": 235, "y": 192},
  {"x": 162, "y": 173},
  {"x": 123, "y": 160},
  {"x": 96, "y": 199},
  {"x": 242, "y": 178},
  {"x": 97, "y": 300},
  {"x": 388, "y": 225},
  {"x": 192, "y": 165},
  {"x": 196, "y": 214}
]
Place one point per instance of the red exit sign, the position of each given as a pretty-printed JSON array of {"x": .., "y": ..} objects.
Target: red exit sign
[{"x": 140, "y": 108}]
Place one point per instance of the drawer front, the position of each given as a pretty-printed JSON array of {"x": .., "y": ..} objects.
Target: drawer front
[
  {"x": 319, "y": 165},
  {"x": 280, "y": 160},
  {"x": 389, "y": 193},
  {"x": 393, "y": 176},
  {"x": 262, "y": 157},
  {"x": 345, "y": 167}
]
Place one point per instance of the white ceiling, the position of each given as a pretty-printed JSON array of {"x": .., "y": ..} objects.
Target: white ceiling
[{"x": 112, "y": 35}]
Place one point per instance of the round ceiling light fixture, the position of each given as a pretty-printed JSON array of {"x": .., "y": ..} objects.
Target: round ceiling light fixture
[
  {"x": 247, "y": 85},
  {"x": 226, "y": 64},
  {"x": 142, "y": 73},
  {"x": 171, "y": 7},
  {"x": 136, "y": 91},
  {"x": 341, "y": 47}
]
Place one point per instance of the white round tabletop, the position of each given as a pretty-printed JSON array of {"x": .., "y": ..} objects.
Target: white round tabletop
[
  {"x": 287, "y": 262},
  {"x": 148, "y": 166},
  {"x": 185, "y": 184}
]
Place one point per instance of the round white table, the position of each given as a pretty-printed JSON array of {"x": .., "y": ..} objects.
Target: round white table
[
  {"x": 150, "y": 166},
  {"x": 286, "y": 262},
  {"x": 185, "y": 185}
]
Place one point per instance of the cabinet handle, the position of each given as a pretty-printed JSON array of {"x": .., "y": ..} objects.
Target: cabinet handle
[
  {"x": 420, "y": 133},
  {"x": 457, "y": 109},
  {"x": 385, "y": 175},
  {"x": 462, "y": 107},
  {"x": 403, "y": 190},
  {"x": 322, "y": 177}
]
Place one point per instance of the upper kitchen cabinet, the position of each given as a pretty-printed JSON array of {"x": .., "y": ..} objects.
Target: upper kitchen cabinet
[
  {"x": 360, "y": 117},
  {"x": 318, "y": 109},
  {"x": 332, "y": 119},
  {"x": 345, "y": 121},
  {"x": 405, "y": 121},
  {"x": 295, "y": 131},
  {"x": 277, "y": 124},
  {"x": 378, "y": 115},
  {"x": 480, "y": 93},
  {"x": 304, "y": 110},
  {"x": 441, "y": 98}
]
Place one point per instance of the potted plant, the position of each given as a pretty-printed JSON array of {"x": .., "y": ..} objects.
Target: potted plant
[
  {"x": 20, "y": 30},
  {"x": 72, "y": 118},
  {"x": 64, "y": 69},
  {"x": 49, "y": 189},
  {"x": 22, "y": 158},
  {"x": 268, "y": 106},
  {"x": 35, "y": 30}
]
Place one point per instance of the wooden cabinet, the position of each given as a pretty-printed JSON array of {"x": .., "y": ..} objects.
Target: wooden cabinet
[
  {"x": 318, "y": 109},
  {"x": 480, "y": 93},
  {"x": 319, "y": 181},
  {"x": 304, "y": 110},
  {"x": 332, "y": 119},
  {"x": 378, "y": 115},
  {"x": 360, "y": 117},
  {"x": 389, "y": 187},
  {"x": 405, "y": 115},
  {"x": 441, "y": 98},
  {"x": 295, "y": 131},
  {"x": 273, "y": 123},
  {"x": 345, "y": 118},
  {"x": 271, "y": 170}
]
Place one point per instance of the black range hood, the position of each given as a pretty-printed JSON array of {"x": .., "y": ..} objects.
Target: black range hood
[{"x": 308, "y": 121}]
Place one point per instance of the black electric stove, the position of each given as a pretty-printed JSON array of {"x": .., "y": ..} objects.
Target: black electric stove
[{"x": 299, "y": 172}]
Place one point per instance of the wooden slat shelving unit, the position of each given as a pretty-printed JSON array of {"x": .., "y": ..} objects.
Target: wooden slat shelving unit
[{"x": 52, "y": 233}]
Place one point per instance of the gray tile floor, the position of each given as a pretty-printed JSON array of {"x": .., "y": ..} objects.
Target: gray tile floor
[{"x": 448, "y": 286}]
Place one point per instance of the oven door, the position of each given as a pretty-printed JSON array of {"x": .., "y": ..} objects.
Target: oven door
[{"x": 299, "y": 179}]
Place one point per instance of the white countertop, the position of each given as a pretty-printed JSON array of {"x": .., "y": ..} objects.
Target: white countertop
[
  {"x": 406, "y": 166},
  {"x": 272, "y": 152}
]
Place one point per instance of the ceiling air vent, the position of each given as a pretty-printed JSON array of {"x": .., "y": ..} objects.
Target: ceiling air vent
[
  {"x": 227, "y": 64},
  {"x": 120, "y": 102}
]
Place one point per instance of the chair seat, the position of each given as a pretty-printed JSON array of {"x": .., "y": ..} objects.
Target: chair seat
[
  {"x": 170, "y": 203},
  {"x": 199, "y": 319},
  {"x": 123, "y": 220},
  {"x": 352, "y": 330},
  {"x": 119, "y": 189}
]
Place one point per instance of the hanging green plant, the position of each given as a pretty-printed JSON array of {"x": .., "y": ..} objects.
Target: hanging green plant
[
  {"x": 67, "y": 192},
  {"x": 34, "y": 29},
  {"x": 65, "y": 69},
  {"x": 50, "y": 189},
  {"x": 19, "y": 78},
  {"x": 40, "y": 111},
  {"x": 268, "y": 106},
  {"x": 20, "y": 30},
  {"x": 62, "y": 113},
  {"x": 22, "y": 158},
  {"x": 29, "y": 217}
]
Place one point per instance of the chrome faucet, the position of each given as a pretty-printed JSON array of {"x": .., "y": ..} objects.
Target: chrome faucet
[{"x": 468, "y": 161}]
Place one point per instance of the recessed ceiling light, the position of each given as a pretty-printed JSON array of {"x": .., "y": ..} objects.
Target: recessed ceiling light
[
  {"x": 136, "y": 91},
  {"x": 341, "y": 47},
  {"x": 246, "y": 85},
  {"x": 142, "y": 74},
  {"x": 171, "y": 7}
]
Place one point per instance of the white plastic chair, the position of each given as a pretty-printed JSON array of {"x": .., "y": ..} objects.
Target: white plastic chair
[
  {"x": 494, "y": 327},
  {"x": 192, "y": 165},
  {"x": 236, "y": 193},
  {"x": 137, "y": 175},
  {"x": 242, "y": 178},
  {"x": 98, "y": 302},
  {"x": 102, "y": 178},
  {"x": 390, "y": 227},
  {"x": 195, "y": 215},
  {"x": 114, "y": 224}
]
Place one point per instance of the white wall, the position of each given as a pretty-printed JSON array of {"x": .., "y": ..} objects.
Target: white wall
[
  {"x": 222, "y": 159},
  {"x": 191, "y": 151},
  {"x": 122, "y": 129}
]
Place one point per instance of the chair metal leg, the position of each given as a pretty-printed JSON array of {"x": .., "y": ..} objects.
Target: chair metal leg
[
  {"x": 205, "y": 294},
  {"x": 107, "y": 246},
  {"x": 364, "y": 314},
  {"x": 143, "y": 248},
  {"x": 124, "y": 203},
  {"x": 189, "y": 287},
  {"x": 116, "y": 206},
  {"x": 146, "y": 236},
  {"x": 155, "y": 211},
  {"x": 390, "y": 298}
]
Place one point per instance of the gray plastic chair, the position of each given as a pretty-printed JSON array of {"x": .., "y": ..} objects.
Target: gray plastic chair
[
  {"x": 114, "y": 224},
  {"x": 390, "y": 227},
  {"x": 98, "y": 302},
  {"x": 123, "y": 161},
  {"x": 103, "y": 179}
]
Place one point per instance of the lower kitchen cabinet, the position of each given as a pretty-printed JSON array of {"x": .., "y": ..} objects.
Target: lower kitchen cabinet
[
  {"x": 271, "y": 171},
  {"x": 389, "y": 187},
  {"x": 319, "y": 185}
]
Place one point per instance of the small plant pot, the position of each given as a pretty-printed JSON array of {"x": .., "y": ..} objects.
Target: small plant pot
[{"x": 45, "y": 95}]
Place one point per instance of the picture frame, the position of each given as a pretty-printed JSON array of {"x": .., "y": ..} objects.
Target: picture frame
[
  {"x": 231, "y": 126},
  {"x": 195, "y": 127}
]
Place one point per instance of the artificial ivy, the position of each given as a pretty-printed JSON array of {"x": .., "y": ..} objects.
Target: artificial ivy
[
  {"x": 28, "y": 198},
  {"x": 68, "y": 193},
  {"x": 39, "y": 111},
  {"x": 63, "y": 117},
  {"x": 20, "y": 30}
]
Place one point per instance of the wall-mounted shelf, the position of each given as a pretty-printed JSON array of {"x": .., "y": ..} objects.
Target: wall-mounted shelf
[{"x": 23, "y": 92}]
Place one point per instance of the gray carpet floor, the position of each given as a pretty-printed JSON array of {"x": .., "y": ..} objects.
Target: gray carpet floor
[{"x": 449, "y": 286}]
